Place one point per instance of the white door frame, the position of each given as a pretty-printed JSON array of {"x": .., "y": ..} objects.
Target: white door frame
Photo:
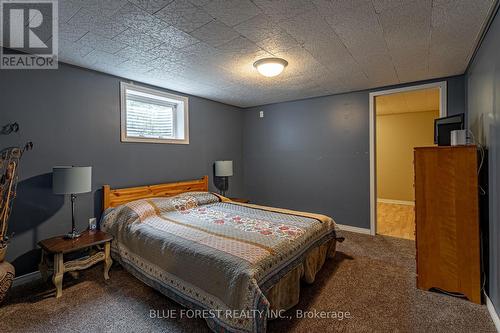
[{"x": 443, "y": 111}]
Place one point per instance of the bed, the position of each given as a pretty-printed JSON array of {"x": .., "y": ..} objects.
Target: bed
[{"x": 237, "y": 265}]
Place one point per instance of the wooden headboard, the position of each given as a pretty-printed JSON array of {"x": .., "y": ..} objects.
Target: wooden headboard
[{"x": 116, "y": 197}]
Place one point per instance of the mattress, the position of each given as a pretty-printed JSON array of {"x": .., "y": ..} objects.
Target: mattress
[{"x": 236, "y": 261}]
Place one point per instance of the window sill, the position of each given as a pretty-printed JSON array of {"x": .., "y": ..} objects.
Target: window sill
[{"x": 161, "y": 141}]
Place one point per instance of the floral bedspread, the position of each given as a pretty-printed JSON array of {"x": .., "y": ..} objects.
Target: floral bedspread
[{"x": 213, "y": 255}]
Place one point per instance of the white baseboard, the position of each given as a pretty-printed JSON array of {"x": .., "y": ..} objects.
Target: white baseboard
[
  {"x": 396, "y": 202},
  {"x": 26, "y": 278},
  {"x": 493, "y": 313},
  {"x": 353, "y": 229}
]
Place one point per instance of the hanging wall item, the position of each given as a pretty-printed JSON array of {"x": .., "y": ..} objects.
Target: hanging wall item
[
  {"x": 9, "y": 164},
  {"x": 9, "y": 161}
]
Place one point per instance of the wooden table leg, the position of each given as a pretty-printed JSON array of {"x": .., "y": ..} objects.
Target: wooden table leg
[
  {"x": 43, "y": 266},
  {"x": 107, "y": 260},
  {"x": 57, "y": 278}
]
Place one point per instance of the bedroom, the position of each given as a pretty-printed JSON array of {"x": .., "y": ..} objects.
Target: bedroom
[{"x": 300, "y": 140}]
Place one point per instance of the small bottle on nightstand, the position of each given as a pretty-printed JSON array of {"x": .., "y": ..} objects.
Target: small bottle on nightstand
[{"x": 92, "y": 224}]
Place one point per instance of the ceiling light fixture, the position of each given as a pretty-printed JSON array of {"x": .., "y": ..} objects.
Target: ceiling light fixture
[{"x": 270, "y": 66}]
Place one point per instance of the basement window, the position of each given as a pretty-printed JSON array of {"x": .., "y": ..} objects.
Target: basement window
[{"x": 153, "y": 116}]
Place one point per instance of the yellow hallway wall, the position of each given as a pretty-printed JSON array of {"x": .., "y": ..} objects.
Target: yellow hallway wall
[{"x": 397, "y": 135}]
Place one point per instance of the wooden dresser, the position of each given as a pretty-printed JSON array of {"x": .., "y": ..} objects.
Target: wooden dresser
[{"x": 447, "y": 220}]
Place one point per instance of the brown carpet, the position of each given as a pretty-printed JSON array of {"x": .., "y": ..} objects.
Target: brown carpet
[{"x": 372, "y": 278}]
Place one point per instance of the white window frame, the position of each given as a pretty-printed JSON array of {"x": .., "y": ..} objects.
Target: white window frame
[{"x": 176, "y": 99}]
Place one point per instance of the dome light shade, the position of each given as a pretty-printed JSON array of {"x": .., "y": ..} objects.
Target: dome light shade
[{"x": 270, "y": 66}]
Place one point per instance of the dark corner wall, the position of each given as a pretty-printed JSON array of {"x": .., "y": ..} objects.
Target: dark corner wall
[
  {"x": 483, "y": 99},
  {"x": 313, "y": 154},
  {"x": 72, "y": 115}
]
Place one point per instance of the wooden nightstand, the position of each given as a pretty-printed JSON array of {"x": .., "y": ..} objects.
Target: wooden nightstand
[
  {"x": 97, "y": 242},
  {"x": 240, "y": 200}
]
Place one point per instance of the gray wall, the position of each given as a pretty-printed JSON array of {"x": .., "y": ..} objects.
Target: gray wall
[
  {"x": 72, "y": 116},
  {"x": 309, "y": 154},
  {"x": 313, "y": 154},
  {"x": 483, "y": 99}
]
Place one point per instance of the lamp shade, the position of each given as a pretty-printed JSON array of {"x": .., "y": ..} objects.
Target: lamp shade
[
  {"x": 223, "y": 168},
  {"x": 71, "y": 180}
]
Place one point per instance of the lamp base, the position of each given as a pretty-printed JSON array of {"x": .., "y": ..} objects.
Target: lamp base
[
  {"x": 72, "y": 235},
  {"x": 222, "y": 184}
]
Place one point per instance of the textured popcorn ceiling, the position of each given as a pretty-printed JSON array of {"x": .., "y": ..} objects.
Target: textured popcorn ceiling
[{"x": 207, "y": 47}]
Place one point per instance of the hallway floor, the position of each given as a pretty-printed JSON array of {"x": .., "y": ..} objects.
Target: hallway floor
[{"x": 396, "y": 220}]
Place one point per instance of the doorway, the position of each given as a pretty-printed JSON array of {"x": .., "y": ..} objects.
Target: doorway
[{"x": 400, "y": 119}]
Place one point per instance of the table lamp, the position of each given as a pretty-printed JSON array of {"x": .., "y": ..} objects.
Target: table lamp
[
  {"x": 72, "y": 180},
  {"x": 223, "y": 169}
]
